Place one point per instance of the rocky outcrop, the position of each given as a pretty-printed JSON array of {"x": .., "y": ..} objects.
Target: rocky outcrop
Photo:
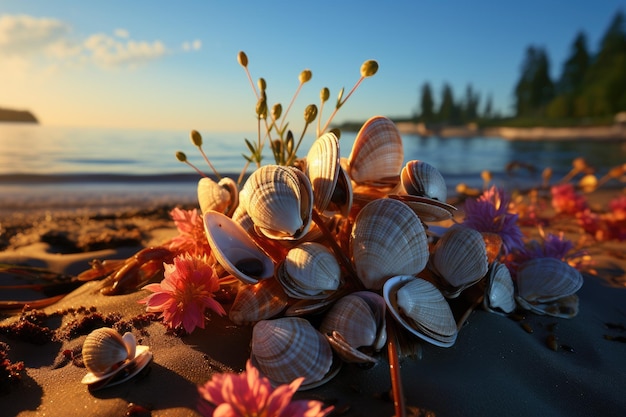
[{"x": 23, "y": 116}]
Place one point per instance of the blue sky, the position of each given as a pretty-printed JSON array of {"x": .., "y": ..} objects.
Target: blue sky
[{"x": 172, "y": 65}]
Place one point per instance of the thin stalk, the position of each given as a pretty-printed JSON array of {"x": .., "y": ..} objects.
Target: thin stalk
[
  {"x": 292, "y": 156},
  {"x": 217, "y": 174},
  {"x": 342, "y": 102},
  {"x": 318, "y": 132},
  {"x": 394, "y": 369},
  {"x": 293, "y": 99}
]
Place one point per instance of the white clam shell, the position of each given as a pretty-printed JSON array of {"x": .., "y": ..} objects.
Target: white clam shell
[
  {"x": 548, "y": 286},
  {"x": 421, "y": 308},
  {"x": 356, "y": 320},
  {"x": 422, "y": 179},
  {"x": 222, "y": 196},
  {"x": 124, "y": 358},
  {"x": 322, "y": 169},
  {"x": 377, "y": 153},
  {"x": 460, "y": 258},
  {"x": 105, "y": 349},
  {"x": 287, "y": 348},
  {"x": 279, "y": 201},
  {"x": 387, "y": 239},
  {"x": 310, "y": 270},
  {"x": 235, "y": 250},
  {"x": 500, "y": 290}
]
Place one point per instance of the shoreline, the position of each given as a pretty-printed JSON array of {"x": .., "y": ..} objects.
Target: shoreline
[{"x": 615, "y": 132}]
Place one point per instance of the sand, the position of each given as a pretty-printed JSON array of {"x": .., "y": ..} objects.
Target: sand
[{"x": 496, "y": 367}]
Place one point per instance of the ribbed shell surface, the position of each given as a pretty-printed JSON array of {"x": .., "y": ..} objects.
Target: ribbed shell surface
[
  {"x": 290, "y": 347},
  {"x": 422, "y": 179},
  {"x": 312, "y": 266},
  {"x": 260, "y": 301},
  {"x": 353, "y": 318},
  {"x": 377, "y": 152},
  {"x": 322, "y": 168},
  {"x": 547, "y": 279},
  {"x": 426, "y": 306},
  {"x": 387, "y": 239},
  {"x": 103, "y": 348},
  {"x": 460, "y": 256}
]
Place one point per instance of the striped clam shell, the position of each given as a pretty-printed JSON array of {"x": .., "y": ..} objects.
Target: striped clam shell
[
  {"x": 460, "y": 259},
  {"x": 421, "y": 308},
  {"x": 259, "y": 301},
  {"x": 288, "y": 348},
  {"x": 422, "y": 179},
  {"x": 387, "y": 239},
  {"x": 377, "y": 154},
  {"x": 546, "y": 279},
  {"x": 279, "y": 200},
  {"x": 222, "y": 196},
  {"x": 500, "y": 290},
  {"x": 105, "y": 348},
  {"x": 322, "y": 169}
]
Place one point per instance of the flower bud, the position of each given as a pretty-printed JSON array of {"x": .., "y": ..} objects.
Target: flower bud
[
  {"x": 196, "y": 138},
  {"x": 310, "y": 113},
  {"x": 242, "y": 58},
  {"x": 305, "y": 76},
  {"x": 369, "y": 68},
  {"x": 180, "y": 155},
  {"x": 261, "y": 108},
  {"x": 277, "y": 110},
  {"x": 324, "y": 94},
  {"x": 262, "y": 84}
]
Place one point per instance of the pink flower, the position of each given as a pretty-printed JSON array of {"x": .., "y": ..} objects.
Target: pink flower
[
  {"x": 249, "y": 394},
  {"x": 185, "y": 293},
  {"x": 191, "y": 238},
  {"x": 565, "y": 199},
  {"x": 490, "y": 213}
]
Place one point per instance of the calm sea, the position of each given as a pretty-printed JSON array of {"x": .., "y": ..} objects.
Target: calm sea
[{"x": 97, "y": 164}]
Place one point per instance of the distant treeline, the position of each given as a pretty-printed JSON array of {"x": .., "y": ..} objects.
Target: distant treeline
[
  {"x": 590, "y": 90},
  {"x": 9, "y": 115}
]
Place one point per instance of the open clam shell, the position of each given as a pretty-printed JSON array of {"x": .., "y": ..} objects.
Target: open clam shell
[
  {"x": 419, "y": 178},
  {"x": 421, "y": 308},
  {"x": 322, "y": 169},
  {"x": 222, "y": 196},
  {"x": 356, "y": 321},
  {"x": 111, "y": 358},
  {"x": 428, "y": 209},
  {"x": 235, "y": 250}
]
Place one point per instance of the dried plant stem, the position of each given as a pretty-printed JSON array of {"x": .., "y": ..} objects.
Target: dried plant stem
[
  {"x": 341, "y": 103},
  {"x": 293, "y": 99},
  {"x": 217, "y": 174},
  {"x": 394, "y": 369}
]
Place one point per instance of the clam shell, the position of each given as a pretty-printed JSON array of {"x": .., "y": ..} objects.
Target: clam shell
[
  {"x": 105, "y": 349},
  {"x": 421, "y": 308},
  {"x": 387, "y": 239},
  {"x": 500, "y": 290},
  {"x": 377, "y": 154},
  {"x": 460, "y": 259},
  {"x": 310, "y": 270},
  {"x": 542, "y": 280},
  {"x": 235, "y": 250},
  {"x": 222, "y": 196},
  {"x": 322, "y": 169},
  {"x": 427, "y": 209},
  {"x": 422, "y": 179},
  {"x": 279, "y": 201},
  {"x": 259, "y": 301},
  {"x": 356, "y": 321},
  {"x": 290, "y": 347}
]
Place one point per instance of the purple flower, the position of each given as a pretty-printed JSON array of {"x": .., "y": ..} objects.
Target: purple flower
[{"x": 489, "y": 214}]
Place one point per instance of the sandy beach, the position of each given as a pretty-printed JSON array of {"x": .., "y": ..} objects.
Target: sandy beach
[{"x": 498, "y": 365}]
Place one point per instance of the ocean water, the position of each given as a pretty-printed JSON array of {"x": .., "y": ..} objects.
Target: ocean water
[{"x": 59, "y": 165}]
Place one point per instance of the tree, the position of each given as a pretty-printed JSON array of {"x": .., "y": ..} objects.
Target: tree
[
  {"x": 488, "y": 107},
  {"x": 575, "y": 67},
  {"x": 427, "y": 104},
  {"x": 535, "y": 89},
  {"x": 448, "y": 111},
  {"x": 470, "y": 105}
]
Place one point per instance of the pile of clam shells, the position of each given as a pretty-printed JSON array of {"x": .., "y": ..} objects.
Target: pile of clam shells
[{"x": 344, "y": 240}]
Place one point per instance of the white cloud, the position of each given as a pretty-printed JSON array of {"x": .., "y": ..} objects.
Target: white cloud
[
  {"x": 41, "y": 42},
  {"x": 122, "y": 33},
  {"x": 26, "y": 34},
  {"x": 109, "y": 52},
  {"x": 195, "y": 45}
]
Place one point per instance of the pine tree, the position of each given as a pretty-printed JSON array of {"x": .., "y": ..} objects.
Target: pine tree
[{"x": 427, "y": 104}]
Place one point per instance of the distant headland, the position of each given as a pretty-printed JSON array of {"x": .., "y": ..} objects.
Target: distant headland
[{"x": 21, "y": 116}]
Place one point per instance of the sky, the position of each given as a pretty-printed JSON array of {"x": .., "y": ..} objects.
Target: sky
[{"x": 173, "y": 65}]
